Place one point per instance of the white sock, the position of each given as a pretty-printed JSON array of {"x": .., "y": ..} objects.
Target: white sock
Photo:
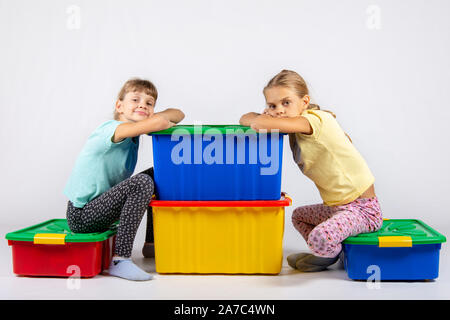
[{"x": 125, "y": 268}]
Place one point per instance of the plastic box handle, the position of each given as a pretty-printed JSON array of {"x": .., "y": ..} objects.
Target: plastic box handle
[
  {"x": 49, "y": 238},
  {"x": 394, "y": 241}
]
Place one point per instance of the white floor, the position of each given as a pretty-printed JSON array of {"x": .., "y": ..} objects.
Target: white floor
[{"x": 289, "y": 284}]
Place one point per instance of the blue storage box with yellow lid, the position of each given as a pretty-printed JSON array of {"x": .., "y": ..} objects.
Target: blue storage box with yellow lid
[{"x": 403, "y": 249}]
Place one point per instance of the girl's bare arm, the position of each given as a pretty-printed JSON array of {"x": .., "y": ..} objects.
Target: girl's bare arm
[
  {"x": 171, "y": 114},
  {"x": 133, "y": 129},
  {"x": 286, "y": 125},
  {"x": 248, "y": 118},
  {"x": 156, "y": 122}
]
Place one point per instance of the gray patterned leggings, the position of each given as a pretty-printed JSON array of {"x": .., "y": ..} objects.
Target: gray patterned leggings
[{"x": 126, "y": 201}]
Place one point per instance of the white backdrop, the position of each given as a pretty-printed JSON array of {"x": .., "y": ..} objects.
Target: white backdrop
[{"x": 381, "y": 66}]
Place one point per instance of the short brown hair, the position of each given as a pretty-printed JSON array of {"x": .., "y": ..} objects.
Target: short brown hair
[{"x": 136, "y": 84}]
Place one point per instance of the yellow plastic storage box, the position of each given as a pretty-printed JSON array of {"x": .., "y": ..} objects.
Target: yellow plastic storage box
[{"x": 238, "y": 237}]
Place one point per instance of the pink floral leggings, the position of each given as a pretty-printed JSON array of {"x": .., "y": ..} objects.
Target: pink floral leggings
[{"x": 324, "y": 228}]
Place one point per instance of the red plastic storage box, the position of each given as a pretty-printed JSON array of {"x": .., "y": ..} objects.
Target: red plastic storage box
[{"x": 51, "y": 249}]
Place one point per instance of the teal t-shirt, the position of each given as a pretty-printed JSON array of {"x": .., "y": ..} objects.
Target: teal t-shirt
[{"x": 101, "y": 164}]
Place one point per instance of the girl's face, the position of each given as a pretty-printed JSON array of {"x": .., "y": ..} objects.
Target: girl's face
[
  {"x": 283, "y": 102},
  {"x": 135, "y": 106}
]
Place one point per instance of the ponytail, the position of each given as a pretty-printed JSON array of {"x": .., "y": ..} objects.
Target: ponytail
[{"x": 312, "y": 106}]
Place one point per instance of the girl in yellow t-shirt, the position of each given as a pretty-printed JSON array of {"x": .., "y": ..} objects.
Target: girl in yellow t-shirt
[{"x": 326, "y": 155}]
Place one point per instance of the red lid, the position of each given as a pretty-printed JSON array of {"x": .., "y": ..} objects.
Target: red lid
[{"x": 283, "y": 202}]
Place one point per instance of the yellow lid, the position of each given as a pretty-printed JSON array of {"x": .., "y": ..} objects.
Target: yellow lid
[
  {"x": 49, "y": 238},
  {"x": 394, "y": 241}
]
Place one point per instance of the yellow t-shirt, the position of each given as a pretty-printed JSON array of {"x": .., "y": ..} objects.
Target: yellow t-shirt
[{"x": 330, "y": 160}]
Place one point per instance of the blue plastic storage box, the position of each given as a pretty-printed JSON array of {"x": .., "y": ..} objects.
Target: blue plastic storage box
[
  {"x": 217, "y": 162},
  {"x": 401, "y": 250}
]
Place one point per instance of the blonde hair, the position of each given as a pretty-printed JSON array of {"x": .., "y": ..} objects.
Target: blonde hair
[
  {"x": 292, "y": 80},
  {"x": 136, "y": 84}
]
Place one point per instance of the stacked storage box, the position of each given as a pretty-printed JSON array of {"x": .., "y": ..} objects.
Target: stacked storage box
[{"x": 220, "y": 207}]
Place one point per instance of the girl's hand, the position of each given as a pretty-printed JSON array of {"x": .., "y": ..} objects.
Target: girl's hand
[
  {"x": 153, "y": 123},
  {"x": 172, "y": 115},
  {"x": 248, "y": 118},
  {"x": 284, "y": 125},
  {"x": 169, "y": 125}
]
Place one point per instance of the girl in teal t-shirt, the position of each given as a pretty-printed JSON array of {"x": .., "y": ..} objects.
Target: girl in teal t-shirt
[{"x": 101, "y": 189}]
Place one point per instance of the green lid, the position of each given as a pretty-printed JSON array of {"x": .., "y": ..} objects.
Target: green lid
[
  {"x": 419, "y": 232},
  {"x": 60, "y": 226},
  {"x": 209, "y": 129}
]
